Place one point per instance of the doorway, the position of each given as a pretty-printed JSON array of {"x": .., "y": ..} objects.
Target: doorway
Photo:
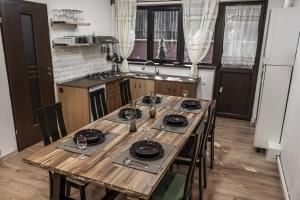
[
  {"x": 28, "y": 59},
  {"x": 238, "y": 43}
]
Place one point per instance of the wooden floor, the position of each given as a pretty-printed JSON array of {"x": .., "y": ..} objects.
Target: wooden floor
[{"x": 240, "y": 173}]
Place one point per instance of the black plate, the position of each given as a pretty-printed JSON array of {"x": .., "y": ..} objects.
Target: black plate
[
  {"x": 93, "y": 136},
  {"x": 122, "y": 113},
  {"x": 147, "y": 100},
  {"x": 146, "y": 150},
  {"x": 191, "y": 104},
  {"x": 175, "y": 120}
]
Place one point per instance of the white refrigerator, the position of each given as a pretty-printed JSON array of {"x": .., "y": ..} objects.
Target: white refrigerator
[
  {"x": 279, "y": 59},
  {"x": 290, "y": 159}
]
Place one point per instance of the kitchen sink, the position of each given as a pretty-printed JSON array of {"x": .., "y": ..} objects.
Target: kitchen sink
[{"x": 142, "y": 75}]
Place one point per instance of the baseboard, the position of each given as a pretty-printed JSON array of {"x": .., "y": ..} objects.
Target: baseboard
[{"x": 282, "y": 178}]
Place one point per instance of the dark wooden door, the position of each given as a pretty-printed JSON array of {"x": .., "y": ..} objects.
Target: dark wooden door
[
  {"x": 238, "y": 82},
  {"x": 29, "y": 65}
]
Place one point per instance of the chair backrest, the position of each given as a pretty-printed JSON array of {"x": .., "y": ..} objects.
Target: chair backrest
[
  {"x": 216, "y": 103},
  {"x": 196, "y": 150},
  {"x": 208, "y": 127},
  {"x": 51, "y": 123},
  {"x": 125, "y": 91},
  {"x": 98, "y": 103}
]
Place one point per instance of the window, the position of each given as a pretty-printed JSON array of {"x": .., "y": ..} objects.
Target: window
[
  {"x": 166, "y": 29},
  {"x": 139, "y": 51},
  {"x": 154, "y": 24}
]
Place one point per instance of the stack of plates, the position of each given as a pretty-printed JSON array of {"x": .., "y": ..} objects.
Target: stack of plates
[
  {"x": 93, "y": 136},
  {"x": 122, "y": 113},
  {"x": 191, "y": 104},
  {"x": 147, "y": 150},
  {"x": 147, "y": 99},
  {"x": 175, "y": 120}
]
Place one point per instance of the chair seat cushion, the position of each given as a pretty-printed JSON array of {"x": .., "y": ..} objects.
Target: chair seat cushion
[{"x": 170, "y": 188}]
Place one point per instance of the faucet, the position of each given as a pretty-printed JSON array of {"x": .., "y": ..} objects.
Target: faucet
[{"x": 149, "y": 62}]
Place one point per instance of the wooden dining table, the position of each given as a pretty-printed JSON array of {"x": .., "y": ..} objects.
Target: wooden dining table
[{"x": 100, "y": 167}]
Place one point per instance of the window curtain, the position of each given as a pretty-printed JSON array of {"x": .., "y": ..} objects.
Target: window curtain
[
  {"x": 199, "y": 17},
  {"x": 125, "y": 11},
  {"x": 240, "y": 35}
]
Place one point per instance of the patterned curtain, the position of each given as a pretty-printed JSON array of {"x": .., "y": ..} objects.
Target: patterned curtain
[
  {"x": 125, "y": 28},
  {"x": 199, "y": 18},
  {"x": 240, "y": 35}
]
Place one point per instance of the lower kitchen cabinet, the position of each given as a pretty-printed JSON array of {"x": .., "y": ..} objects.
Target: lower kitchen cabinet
[
  {"x": 113, "y": 96},
  {"x": 141, "y": 87},
  {"x": 175, "y": 88},
  {"x": 75, "y": 107}
]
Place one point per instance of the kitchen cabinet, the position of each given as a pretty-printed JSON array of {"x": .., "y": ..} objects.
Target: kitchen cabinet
[
  {"x": 113, "y": 96},
  {"x": 141, "y": 87},
  {"x": 75, "y": 107},
  {"x": 175, "y": 88}
]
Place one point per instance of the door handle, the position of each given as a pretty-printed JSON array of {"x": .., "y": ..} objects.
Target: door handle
[
  {"x": 49, "y": 71},
  {"x": 221, "y": 89}
]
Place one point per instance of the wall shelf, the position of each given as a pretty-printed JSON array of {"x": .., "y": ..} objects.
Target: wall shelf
[
  {"x": 72, "y": 45},
  {"x": 69, "y": 23}
]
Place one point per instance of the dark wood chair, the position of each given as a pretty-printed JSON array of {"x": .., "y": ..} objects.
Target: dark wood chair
[
  {"x": 211, "y": 136},
  {"x": 186, "y": 154},
  {"x": 98, "y": 104},
  {"x": 177, "y": 186},
  {"x": 125, "y": 91},
  {"x": 52, "y": 126}
]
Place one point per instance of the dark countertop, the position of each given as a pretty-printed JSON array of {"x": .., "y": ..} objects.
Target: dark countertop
[
  {"x": 184, "y": 66},
  {"x": 88, "y": 83}
]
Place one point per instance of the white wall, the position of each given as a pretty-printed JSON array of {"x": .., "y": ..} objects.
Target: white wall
[
  {"x": 67, "y": 63},
  {"x": 70, "y": 63},
  {"x": 7, "y": 136},
  {"x": 297, "y": 3}
]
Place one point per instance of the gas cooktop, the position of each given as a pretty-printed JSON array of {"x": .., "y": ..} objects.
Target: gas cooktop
[{"x": 103, "y": 75}]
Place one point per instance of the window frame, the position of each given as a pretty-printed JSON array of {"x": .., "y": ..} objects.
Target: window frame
[
  {"x": 180, "y": 37},
  {"x": 150, "y": 33}
]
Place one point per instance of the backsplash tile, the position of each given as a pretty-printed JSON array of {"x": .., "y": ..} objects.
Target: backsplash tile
[{"x": 71, "y": 63}]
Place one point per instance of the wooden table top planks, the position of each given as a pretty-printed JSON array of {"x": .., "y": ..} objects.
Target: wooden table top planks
[{"x": 100, "y": 169}]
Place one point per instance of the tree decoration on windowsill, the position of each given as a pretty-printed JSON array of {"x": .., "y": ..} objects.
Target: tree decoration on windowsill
[{"x": 162, "y": 51}]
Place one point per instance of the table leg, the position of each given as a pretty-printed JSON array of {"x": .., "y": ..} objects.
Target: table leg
[
  {"x": 132, "y": 198},
  {"x": 59, "y": 187}
]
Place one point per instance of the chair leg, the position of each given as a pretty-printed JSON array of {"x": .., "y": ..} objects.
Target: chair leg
[
  {"x": 200, "y": 179},
  {"x": 68, "y": 189},
  {"x": 204, "y": 172},
  {"x": 82, "y": 193},
  {"x": 212, "y": 149},
  {"x": 50, "y": 185}
]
